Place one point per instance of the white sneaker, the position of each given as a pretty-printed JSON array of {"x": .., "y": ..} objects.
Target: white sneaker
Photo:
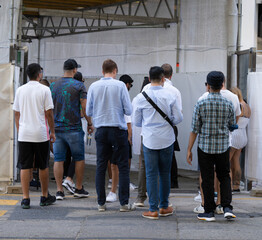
[
  {"x": 109, "y": 184},
  {"x": 219, "y": 209},
  {"x": 198, "y": 198},
  {"x": 111, "y": 197},
  {"x": 199, "y": 209},
  {"x": 101, "y": 208},
  {"x": 127, "y": 208},
  {"x": 132, "y": 186},
  {"x": 69, "y": 186}
]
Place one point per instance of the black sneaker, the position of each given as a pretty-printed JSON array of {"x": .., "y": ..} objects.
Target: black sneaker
[
  {"x": 25, "y": 203},
  {"x": 228, "y": 213},
  {"x": 82, "y": 193},
  {"x": 45, "y": 201},
  {"x": 209, "y": 217},
  {"x": 60, "y": 195}
]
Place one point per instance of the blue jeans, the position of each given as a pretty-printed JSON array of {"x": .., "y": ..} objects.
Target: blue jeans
[
  {"x": 158, "y": 162},
  {"x": 112, "y": 143},
  {"x": 73, "y": 140}
]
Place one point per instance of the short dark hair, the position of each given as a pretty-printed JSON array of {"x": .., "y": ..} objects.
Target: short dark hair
[
  {"x": 78, "y": 76},
  {"x": 168, "y": 70},
  {"x": 45, "y": 82},
  {"x": 145, "y": 82},
  {"x": 109, "y": 66},
  {"x": 156, "y": 74},
  {"x": 33, "y": 71}
]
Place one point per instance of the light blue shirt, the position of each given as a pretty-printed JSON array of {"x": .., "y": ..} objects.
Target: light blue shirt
[
  {"x": 107, "y": 103},
  {"x": 156, "y": 131}
]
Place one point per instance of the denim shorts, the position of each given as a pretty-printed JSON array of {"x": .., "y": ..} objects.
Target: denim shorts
[{"x": 73, "y": 140}]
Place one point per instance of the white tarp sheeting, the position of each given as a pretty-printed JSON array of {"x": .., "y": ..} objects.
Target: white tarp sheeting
[
  {"x": 253, "y": 149},
  {"x": 7, "y": 123},
  {"x": 206, "y": 36},
  {"x": 192, "y": 85},
  {"x": 204, "y": 43}
]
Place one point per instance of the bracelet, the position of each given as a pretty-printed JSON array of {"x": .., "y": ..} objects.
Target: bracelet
[{"x": 89, "y": 125}]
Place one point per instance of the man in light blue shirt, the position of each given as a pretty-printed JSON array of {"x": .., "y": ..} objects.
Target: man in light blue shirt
[
  {"x": 107, "y": 103},
  {"x": 158, "y": 139}
]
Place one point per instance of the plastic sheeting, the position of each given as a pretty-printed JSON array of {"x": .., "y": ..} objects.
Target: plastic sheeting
[
  {"x": 7, "y": 123},
  {"x": 191, "y": 86},
  {"x": 253, "y": 159},
  {"x": 205, "y": 40},
  {"x": 204, "y": 43}
]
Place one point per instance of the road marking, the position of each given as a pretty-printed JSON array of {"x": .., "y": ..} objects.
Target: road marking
[
  {"x": 8, "y": 202},
  {"x": 2, "y": 212}
]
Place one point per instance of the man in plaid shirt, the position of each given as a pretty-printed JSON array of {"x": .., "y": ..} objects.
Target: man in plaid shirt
[{"x": 212, "y": 118}]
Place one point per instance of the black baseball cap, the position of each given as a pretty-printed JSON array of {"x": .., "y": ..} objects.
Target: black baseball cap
[
  {"x": 71, "y": 64},
  {"x": 215, "y": 78},
  {"x": 126, "y": 79}
]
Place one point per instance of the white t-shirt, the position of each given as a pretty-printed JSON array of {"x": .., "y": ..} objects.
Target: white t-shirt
[
  {"x": 229, "y": 96},
  {"x": 32, "y": 100}
]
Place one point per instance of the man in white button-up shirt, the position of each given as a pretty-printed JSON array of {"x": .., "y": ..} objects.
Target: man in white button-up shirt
[{"x": 158, "y": 140}]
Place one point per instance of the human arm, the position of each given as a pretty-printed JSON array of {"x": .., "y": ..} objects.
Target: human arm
[
  {"x": 17, "y": 117},
  {"x": 90, "y": 127},
  {"x": 129, "y": 130},
  {"x": 50, "y": 119},
  {"x": 176, "y": 112},
  {"x": 137, "y": 112},
  {"x": 126, "y": 101},
  {"x": 192, "y": 138},
  {"x": 232, "y": 119}
]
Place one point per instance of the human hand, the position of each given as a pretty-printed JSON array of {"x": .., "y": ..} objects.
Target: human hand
[
  {"x": 90, "y": 129},
  {"x": 189, "y": 157},
  {"x": 52, "y": 137}
]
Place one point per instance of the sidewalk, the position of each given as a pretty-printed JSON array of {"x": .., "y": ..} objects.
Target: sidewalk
[{"x": 75, "y": 218}]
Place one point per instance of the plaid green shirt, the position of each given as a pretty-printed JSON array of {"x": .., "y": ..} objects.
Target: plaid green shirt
[{"x": 211, "y": 119}]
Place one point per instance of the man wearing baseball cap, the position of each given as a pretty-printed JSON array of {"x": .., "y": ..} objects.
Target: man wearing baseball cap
[
  {"x": 212, "y": 118},
  {"x": 68, "y": 94}
]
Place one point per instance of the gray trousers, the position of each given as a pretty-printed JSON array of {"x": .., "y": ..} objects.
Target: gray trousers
[{"x": 141, "y": 177}]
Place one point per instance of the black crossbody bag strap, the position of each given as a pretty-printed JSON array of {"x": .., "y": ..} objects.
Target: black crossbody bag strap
[
  {"x": 176, "y": 145},
  {"x": 157, "y": 108}
]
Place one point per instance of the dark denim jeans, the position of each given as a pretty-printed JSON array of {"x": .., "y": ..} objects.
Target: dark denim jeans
[
  {"x": 158, "y": 162},
  {"x": 221, "y": 162},
  {"x": 111, "y": 142}
]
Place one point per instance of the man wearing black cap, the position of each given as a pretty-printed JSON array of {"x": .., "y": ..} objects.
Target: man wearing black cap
[
  {"x": 212, "y": 118},
  {"x": 68, "y": 94}
]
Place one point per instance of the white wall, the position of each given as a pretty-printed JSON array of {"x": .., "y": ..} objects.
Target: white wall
[
  {"x": 6, "y": 26},
  {"x": 249, "y": 24}
]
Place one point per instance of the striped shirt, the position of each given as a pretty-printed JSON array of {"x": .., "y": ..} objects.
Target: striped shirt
[{"x": 211, "y": 119}]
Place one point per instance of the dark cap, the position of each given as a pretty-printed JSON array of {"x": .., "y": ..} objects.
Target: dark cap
[
  {"x": 71, "y": 64},
  {"x": 126, "y": 79},
  {"x": 215, "y": 78}
]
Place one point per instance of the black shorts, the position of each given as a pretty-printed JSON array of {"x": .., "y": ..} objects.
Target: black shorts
[{"x": 30, "y": 152}]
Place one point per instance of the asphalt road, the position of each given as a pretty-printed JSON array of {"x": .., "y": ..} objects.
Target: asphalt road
[{"x": 75, "y": 218}]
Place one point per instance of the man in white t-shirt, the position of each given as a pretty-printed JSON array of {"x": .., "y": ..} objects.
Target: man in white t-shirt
[{"x": 33, "y": 107}]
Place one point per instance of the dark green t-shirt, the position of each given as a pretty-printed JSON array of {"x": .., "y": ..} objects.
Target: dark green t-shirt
[{"x": 66, "y": 94}]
